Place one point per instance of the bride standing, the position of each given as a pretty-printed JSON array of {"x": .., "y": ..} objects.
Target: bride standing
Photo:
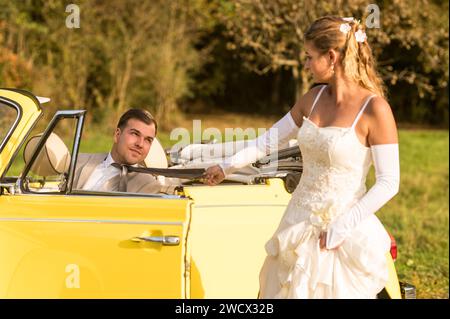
[{"x": 329, "y": 243}]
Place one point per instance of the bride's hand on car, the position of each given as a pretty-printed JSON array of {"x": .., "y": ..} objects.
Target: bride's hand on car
[{"x": 213, "y": 175}]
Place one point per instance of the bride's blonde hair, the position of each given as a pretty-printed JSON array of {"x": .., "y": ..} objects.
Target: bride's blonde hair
[{"x": 357, "y": 59}]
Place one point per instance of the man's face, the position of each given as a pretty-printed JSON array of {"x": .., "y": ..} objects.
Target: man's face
[{"x": 132, "y": 143}]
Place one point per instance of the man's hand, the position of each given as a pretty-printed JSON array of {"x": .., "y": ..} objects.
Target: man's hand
[{"x": 214, "y": 175}]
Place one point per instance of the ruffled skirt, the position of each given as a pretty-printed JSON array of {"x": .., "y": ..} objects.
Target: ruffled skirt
[{"x": 296, "y": 267}]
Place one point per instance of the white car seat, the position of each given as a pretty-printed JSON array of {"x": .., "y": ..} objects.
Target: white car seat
[
  {"x": 156, "y": 157},
  {"x": 53, "y": 159}
]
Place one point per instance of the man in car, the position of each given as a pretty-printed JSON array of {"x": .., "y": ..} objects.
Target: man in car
[{"x": 133, "y": 138}]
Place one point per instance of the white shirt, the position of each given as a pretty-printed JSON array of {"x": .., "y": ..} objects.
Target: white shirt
[{"x": 101, "y": 174}]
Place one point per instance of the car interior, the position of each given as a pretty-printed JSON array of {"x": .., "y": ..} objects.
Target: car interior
[{"x": 50, "y": 168}]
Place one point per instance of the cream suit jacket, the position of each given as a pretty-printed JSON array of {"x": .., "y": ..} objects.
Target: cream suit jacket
[{"x": 137, "y": 182}]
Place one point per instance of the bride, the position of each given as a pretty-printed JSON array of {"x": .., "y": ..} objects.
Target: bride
[{"x": 329, "y": 243}]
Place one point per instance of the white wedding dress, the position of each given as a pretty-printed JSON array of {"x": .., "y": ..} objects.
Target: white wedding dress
[{"x": 335, "y": 166}]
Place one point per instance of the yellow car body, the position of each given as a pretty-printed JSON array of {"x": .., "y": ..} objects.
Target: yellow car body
[{"x": 75, "y": 245}]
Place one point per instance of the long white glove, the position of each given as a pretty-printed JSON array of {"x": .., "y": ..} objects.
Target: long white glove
[
  {"x": 280, "y": 133},
  {"x": 205, "y": 152},
  {"x": 387, "y": 172}
]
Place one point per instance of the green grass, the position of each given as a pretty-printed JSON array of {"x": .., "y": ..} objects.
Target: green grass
[{"x": 417, "y": 217}]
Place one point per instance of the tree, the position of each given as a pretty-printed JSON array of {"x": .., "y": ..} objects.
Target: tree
[
  {"x": 125, "y": 53},
  {"x": 411, "y": 43},
  {"x": 269, "y": 35}
]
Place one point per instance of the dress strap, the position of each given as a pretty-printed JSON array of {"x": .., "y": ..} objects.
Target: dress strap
[
  {"x": 361, "y": 111},
  {"x": 316, "y": 99}
]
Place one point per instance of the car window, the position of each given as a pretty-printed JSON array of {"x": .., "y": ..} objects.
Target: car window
[
  {"x": 8, "y": 116},
  {"x": 50, "y": 163}
]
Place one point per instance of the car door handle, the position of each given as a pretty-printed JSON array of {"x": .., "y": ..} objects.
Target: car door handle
[{"x": 165, "y": 240}]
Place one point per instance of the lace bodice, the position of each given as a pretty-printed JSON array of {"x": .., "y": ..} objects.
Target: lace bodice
[{"x": 335, "y": 166}]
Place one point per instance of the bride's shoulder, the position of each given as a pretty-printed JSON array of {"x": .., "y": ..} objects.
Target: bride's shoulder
[
  {"x": 379, "y": 108},
  {"x": 305, "y": 102},
  {"x": 381, "y": 122}
]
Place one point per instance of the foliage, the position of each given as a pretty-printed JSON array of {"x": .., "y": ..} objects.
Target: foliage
[
  {"x": 125, "y": 53},
  {"x": 246, "y": 55},
  {"x": 411, "y": 45}
]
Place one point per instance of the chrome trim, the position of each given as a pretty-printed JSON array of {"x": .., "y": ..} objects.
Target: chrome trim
[
  {"x": 165, "y": 240},
  {"x": 10, "y": 186},
  {"x": 105, "y": 194},
  {"x": 101, "y": 221},
  {"x": 80, "y": 192},
  {"x": 56, "y": 118},
  {"x": 408, "y": 291},
  {"x": 243, "y": 205},
  {"x": 76, "y": 146}
]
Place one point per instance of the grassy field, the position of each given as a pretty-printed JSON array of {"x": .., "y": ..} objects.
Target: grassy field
[{"x": 418, "y": 217}]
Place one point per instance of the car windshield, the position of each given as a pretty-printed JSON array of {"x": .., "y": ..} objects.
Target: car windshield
[{"x": 8, "y": 116}]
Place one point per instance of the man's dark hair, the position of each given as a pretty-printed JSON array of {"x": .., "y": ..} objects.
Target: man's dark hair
[{"x": 138, "y": 114}]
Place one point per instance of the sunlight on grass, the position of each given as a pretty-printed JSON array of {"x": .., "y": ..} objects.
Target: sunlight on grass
[{"x": 418, "y": 217}]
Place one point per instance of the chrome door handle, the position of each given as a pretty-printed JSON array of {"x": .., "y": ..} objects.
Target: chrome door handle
[{"x": 165, "y": 240}]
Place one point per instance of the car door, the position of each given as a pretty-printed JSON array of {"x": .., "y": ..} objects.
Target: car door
[
  {"x": 85, "y": 247},
  {"x": 55, "y": 243},
  {"x": 229, "y": 227}
]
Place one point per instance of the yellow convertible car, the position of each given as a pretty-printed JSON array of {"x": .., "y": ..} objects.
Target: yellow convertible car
[{"x": 59, "y": 242}]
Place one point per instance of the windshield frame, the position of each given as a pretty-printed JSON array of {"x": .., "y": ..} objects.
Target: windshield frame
[{"x": 10, "y": 103}]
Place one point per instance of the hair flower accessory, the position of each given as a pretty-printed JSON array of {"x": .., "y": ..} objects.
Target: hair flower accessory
[
  {"x": 360, "y": 36},
  {"x": 345, "y": 28}
]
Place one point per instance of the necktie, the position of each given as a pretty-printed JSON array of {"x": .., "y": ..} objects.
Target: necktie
[{"x": 123, "y": 178}]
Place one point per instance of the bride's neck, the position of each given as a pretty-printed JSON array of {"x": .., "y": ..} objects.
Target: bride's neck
[{"x": 341, "y": 89}]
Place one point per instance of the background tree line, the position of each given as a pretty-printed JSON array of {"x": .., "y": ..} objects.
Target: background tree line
[{"x": 181, "y": 56}]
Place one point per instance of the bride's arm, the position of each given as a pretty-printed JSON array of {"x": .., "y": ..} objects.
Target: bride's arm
[
  {"x": 382, "y": 137},
  {"x": 280, "y": 133},
  {"x": 254, "y": 149}
]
